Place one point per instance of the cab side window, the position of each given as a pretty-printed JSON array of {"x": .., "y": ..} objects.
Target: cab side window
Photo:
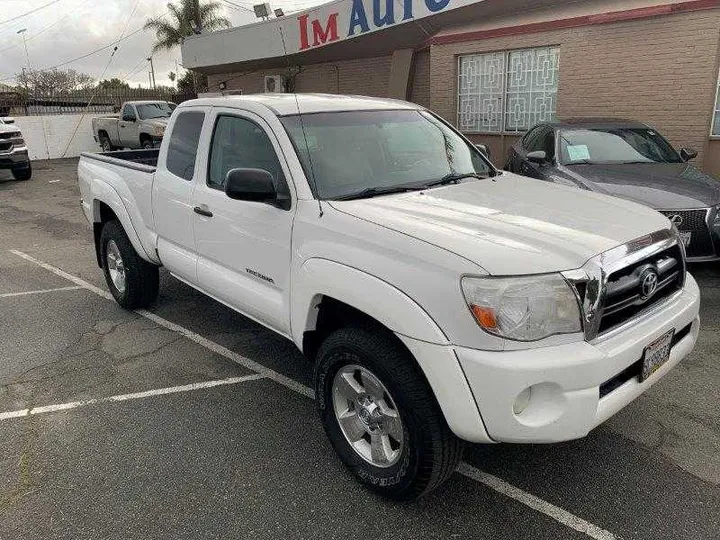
[
  {"x": 239, "y": 143},
  {"x": 128, "y": 113},
  {"x": 184, "y": 140}
]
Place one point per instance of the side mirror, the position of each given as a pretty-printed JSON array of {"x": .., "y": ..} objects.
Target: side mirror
[
  {"x": 687, "y": 154},
  {"x": 537, "y": 156},
  {"x": 484, "y": 149},
  {"x": 128, "y": 118},
  {"x": 250, "y": 185}
]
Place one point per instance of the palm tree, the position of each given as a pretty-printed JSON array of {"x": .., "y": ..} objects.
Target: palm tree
[{"x": 184, "y": 20}]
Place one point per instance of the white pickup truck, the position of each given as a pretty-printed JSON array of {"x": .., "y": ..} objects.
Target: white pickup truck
[
  {"x": 439, "y": 298},
  {"x": 140, "y": 124}
]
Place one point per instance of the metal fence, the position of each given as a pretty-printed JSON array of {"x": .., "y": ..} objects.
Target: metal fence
[{"x": 104, "y": 100}]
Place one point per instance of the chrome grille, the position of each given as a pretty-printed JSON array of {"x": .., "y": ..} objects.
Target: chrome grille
[{"x": 614, "y": 288}]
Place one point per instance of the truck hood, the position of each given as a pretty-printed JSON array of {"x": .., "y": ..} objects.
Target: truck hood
[
  {"x": 9, "y": 128},
  {"x": 664, "y": 186},
  {"x": 513, "y": 225},
  {"x": 157, "y": 121}
]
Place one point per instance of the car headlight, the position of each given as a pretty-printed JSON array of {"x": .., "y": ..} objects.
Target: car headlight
[
  {"x": 526, "y": 308},
  {"x": 159, "y": 130}
]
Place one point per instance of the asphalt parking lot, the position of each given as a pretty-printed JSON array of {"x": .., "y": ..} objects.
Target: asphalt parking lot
[{"x": 190, "y": 421}]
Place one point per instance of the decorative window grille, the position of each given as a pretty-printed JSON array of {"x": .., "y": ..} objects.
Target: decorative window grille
[
  {"x": 507, "y": 91},
  {"x": 715, "y": 131}
]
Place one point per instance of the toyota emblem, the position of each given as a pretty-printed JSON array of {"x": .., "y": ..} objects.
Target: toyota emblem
[
  {"x": 676, "y": 219},
  {"x": 649, "y": 282}
]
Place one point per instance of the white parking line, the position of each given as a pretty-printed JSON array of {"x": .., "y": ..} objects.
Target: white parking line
[
  {"x": 43, "y": 291},
  {"x": 528, "y": 499},
  {"x": 127, "y": 397}
]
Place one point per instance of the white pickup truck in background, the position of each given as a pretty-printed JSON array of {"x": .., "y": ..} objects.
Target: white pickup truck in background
[
  {"x": 140, "y": 124},
  {"x": 439, "y": 298}
]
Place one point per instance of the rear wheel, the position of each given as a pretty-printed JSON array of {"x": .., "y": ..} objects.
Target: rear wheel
[
  {"x": 381, "y": 415},
  {"x": 23, "y": 173},
  {"x": 106, "y": 145},
  {"x": 133, "y": 281}
]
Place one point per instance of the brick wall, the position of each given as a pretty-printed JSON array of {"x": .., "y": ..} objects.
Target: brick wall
[
  {"x": 661, "y": 70},
  {"x": 365, "y": 76},
  {"x": 420, "y": 89}
]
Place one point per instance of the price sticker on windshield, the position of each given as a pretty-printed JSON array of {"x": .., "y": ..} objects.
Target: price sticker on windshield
[{"x": 578, "y": 152}]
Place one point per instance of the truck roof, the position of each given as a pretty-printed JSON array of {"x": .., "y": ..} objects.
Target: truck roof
[{"x": 287, "y": 104}]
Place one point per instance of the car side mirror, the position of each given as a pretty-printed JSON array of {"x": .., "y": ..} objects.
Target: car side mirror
[
  {"x": 687, "y": 154},
  {"x": 484, "y": 149},
  {"x": 128, "y": 118},
  {"x": 250, "y": 185},
  {"x": 537, "y": 156}
]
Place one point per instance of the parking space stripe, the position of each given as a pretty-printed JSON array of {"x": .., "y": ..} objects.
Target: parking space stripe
[
  {"x": 528, "y": 499},
  {"x": 536, "y": 503},
  {"x": 127, "y": 397},
  {"x": 43, "y": 291}
]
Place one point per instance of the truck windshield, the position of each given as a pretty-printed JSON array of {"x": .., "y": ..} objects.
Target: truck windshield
[
  {"x": 148, "y": 111},
  {"x": 375, "y": 152},
  {"x": 615, "y": 146}
]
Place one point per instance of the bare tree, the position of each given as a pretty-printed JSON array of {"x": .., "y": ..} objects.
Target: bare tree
[{"x": 54, "y": 81}]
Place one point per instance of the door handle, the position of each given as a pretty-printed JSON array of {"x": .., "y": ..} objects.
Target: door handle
[{"x": 203, "y": 211}]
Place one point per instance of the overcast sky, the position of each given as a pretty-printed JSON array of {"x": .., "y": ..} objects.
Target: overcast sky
[{"x": 68, "y": 29}]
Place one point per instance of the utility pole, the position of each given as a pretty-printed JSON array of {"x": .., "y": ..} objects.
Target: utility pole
[{"x": 152, "y": 74}]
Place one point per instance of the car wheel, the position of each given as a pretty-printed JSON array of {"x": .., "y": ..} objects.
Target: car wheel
[
  {"x": 24, "y": 173},
  {"x": 106, "y": 145},
  {"x": 381, "y": 415},
  {"x": 133, "y": 281},
  {"x": 147, "y": 144}
]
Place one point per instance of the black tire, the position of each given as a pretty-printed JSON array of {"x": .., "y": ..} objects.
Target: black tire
[
  {"x": 142, "y": 279},
  {"x": 106, "y": 145},
  {"x": 23, "y": 173},
  {"x": 147, "y": 144},
  {"x": 430, "y": 452}
]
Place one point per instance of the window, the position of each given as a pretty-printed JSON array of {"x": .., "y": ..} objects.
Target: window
[
  {"x": 183, "y": 146},
  {"x": 346, "y": 154},
  {"x": 507, "y": 91},
  {"x": 716, "y": 115},
  {"x": 128, "y": 113},
  {"x": 241, "y": 144},
  {"x": 615, "y": 145},
  {"x": 148, "y": 111}
]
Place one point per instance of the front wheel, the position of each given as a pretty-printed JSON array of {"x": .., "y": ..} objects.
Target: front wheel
[
  {"x": 147, "y": 144},
  {"x": 381, "y": 416},
  {"x": 23, "y": 173},
  {"x": 133, "y": 281}
]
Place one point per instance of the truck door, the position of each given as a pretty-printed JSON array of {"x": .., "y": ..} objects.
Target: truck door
[
  {"x": 172, "y": 194},
  {"x": 244, "y": 247},
  {"x": 128, "y": 127}
]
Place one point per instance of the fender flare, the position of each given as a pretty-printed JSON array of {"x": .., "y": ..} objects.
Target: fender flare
[
  {"x": 379, "y": 299},
  {"x": 105, "y": 193}
]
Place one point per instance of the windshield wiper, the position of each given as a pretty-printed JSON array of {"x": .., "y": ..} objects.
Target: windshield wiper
[
  {"x": 454, "y": 178},
  {"x": 376, "y": 191},
  {"x": 581, "y": 162}
]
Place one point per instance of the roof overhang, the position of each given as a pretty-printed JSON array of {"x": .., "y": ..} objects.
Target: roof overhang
[{"x": 340, "y": 30}]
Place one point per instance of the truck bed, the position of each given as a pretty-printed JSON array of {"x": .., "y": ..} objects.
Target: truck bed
[{"x": 144, "y": 160}]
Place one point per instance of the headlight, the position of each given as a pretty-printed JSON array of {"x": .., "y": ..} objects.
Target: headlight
[
  {"x": 524, "y": 308},
  {"x": 159, "y": 130}
]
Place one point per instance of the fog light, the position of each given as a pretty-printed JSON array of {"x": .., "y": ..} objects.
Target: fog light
[{"x": 522, "y": 400}]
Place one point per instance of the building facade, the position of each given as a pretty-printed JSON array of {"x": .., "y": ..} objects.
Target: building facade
[{"x": 492, "y": 67}]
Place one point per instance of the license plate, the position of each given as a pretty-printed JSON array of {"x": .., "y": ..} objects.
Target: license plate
[
  {"x": 685, "y": 237},
  {"x": 656, "y": 354}
]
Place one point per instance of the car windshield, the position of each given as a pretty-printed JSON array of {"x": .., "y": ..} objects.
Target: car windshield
[
  {"x": 149, "y": 111},
  {"x": 615, "y": 145},
  {"x": 367, "y": 153}
]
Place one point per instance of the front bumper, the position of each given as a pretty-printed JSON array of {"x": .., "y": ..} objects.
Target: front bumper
[
  {"x": 575, "y": 386},
  {"x": 566, "y": 380},
  {"x": 17, "y": 157}
]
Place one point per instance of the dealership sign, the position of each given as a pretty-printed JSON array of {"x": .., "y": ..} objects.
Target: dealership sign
[{"x": 364, "y": 16}]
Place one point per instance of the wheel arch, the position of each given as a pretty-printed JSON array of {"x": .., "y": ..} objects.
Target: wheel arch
[
  {"x": 108, "y": 206},
  {"x": 327, "y": 292}
]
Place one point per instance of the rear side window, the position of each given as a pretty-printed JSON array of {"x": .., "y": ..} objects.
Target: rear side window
[{"x": 183, "y": 146}]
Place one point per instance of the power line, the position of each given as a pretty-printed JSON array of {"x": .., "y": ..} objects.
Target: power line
[
  {"x": 238, "y": 7},
  {"x": 29, "y": 12}
]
